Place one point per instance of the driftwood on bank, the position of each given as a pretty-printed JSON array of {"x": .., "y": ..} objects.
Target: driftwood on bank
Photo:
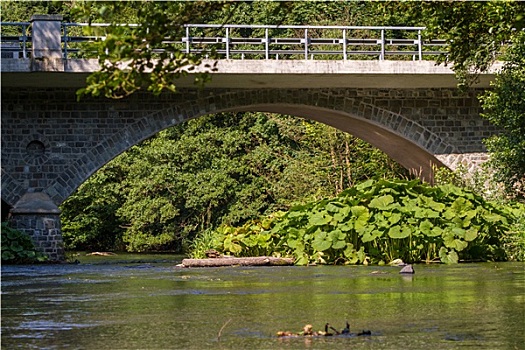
[{"x": 231, "y": 261}]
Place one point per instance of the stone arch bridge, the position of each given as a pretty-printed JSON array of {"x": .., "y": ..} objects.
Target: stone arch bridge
[{"x": 51, "y": 143}]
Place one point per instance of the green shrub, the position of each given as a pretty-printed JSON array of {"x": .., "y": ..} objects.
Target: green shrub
[
  {"x": 379, "y": 221},
  {"x": 17, "y": 247}
]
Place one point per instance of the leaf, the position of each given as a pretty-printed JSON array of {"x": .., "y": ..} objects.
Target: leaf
[
  {"x": 426, "y": 227},
  {"x": 321, "y": 245},
  {"x": 339, "y": 244},
  {"x": 448, "y": 257},
  {"x": 320, "y": 219},
  {"x": 381, "y": 203},
  {"x": 471, "y": 234},
  {"x": 232, "y": 247},
  {"x": 458, "y": 232},
  {"x": 7, "y": 255},
  {"x": 331, "y": 207},
  {"x": 16, "y": 247},
  {"x": 359, "y": 211},
  {"x": 399, "y": 232},
  {"x": 361, "y": 255},
  {"x": 435, "y": 232},
  {"x": 302, "y": 260},
  {"x": 336, "y": 235},
  {"x": 451, "y": 242},
  {"x": 394, "y": 218}
]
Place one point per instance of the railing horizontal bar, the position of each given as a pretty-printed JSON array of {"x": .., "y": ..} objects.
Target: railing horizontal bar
[{"x": 263, "y": 26}]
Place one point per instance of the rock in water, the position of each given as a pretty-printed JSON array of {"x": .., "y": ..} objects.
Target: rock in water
[{"x": 407, "y": 270}]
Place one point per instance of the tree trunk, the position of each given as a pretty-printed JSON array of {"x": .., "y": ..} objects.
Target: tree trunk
[{"x": 231, "y": 261}]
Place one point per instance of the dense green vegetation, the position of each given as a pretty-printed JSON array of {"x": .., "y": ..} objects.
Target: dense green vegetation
[
  {"x": 377, "y": 222},
  {"x": 226, "y": 168},
  {"x": 17, "y": 247}
]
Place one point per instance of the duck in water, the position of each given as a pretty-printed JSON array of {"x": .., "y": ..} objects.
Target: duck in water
[{"x": 346, "y": 330}]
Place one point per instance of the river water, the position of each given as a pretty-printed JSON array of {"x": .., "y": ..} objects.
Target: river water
[{"x": 147, "y": 303}]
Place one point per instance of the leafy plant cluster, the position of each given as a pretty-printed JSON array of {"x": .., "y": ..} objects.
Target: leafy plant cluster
[
  {"x": 17, "y": 247},
  {"x": 379, "y": 221}
]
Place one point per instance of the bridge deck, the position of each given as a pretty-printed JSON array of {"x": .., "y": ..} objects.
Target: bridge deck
[{"x": 258, "y": 74}]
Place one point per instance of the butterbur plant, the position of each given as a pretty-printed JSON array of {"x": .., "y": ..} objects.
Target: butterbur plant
[
  {"x": 379, "y": 221},
  {"x": 17, "y": 247}
]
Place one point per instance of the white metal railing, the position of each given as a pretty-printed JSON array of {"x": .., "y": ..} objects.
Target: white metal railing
[
  {"x": 15, "y": 41},
  {"x": 232, "y": 41}
]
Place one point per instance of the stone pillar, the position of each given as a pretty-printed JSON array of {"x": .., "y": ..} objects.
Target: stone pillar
[
  {"x": 39, "y": 217},
  {"x": 46, "y": 36}
]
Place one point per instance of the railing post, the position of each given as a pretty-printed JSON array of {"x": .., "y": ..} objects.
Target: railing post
[
  {"x": 306, "y": 43},
  {"x": 187, "y": 40},
  {"x": 344, "y": 45},
  {"x": 65, "y": 41},
  {"x": 419, "y": 45},
  {"x": 46, "y": 36},
  {"x": 227, "y": 43},
  {"x": 24, "y": 39},
  {"x": 266, "y": 44},
  {"x": 382, "y": 56}
]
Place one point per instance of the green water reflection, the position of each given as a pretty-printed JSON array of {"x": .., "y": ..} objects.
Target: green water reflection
[{"x": 154, "y": 305}]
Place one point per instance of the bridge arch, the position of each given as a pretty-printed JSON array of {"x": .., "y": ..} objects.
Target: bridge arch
[{"x": 404, "y": 140}]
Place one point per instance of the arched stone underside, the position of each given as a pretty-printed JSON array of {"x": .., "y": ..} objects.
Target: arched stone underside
[{"x": 66, "y": 141}]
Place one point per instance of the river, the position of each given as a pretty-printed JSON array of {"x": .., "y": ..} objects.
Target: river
[{"x": 146, "y": 302}]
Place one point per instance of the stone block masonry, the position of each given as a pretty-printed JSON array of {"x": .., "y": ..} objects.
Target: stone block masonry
[{"x": 52, "y": 143}]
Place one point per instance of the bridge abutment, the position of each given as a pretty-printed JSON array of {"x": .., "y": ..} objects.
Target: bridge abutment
[{"x": 38, "y": 216}]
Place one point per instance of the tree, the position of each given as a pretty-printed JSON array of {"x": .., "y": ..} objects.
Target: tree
[
  {"x": 504, "y": 106},
  {"x": 476, "y": 32},
  {"x": 479, "y": 33}
]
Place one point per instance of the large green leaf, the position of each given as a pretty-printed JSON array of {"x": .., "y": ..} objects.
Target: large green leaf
[
  {"x": 471, "y": 234},
  {"x": 301, "y": 260},
  {"x": 320, "y": 219},
  {"x": 338, "y": 244},
  {"x": 359, "y": 211},
  {"x": 321, "y": 245},
  {"x": 461, "y": 206},
  {"x": 381, "y": 203},
  {"x": 250, "y": 241},
  {"x": 451, "y": 242},
  {"x": 294, "y": 243},
  {"x": 16, "y": 247},
  {"x": 362, "y": 216},
  {"x": 426, "y": 227},
  {"x": 232, "y": 247},
  {"x": 332, "y": 207},
  {"x": 341, "y": 216},
  {"x": 7, "y": 255},
  {"x": 448, "y": 257},
  {"x": 394, "y": 218},
  {"x": 336, "y": 235},
  {"x": 399, "y": 232},
  {"x": 347, "y": 226}
]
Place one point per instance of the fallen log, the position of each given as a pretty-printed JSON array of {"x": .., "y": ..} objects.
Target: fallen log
[
  {"x": 101, "y": 254},
  {"x": 232, "y": 261}
]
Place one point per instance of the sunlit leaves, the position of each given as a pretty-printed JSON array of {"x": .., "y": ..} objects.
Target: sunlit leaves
[
  {"x": 144, "y": 56},
  {"x": 401, "y": 224}
]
